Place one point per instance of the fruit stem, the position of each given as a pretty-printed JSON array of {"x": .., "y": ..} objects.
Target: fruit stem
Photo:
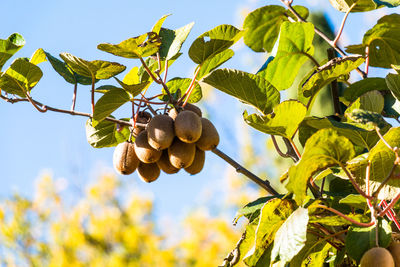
[
  {"x": 74, "y": 97},
  {"x": 191, "y": 86},
  {"x": 240, "y": 169}
]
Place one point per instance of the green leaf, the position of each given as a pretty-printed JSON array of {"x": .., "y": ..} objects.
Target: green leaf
[
  {"x": 383, "y": 41},
  {"x": 157, "y": 27},
  {"x": 291, "y": 236},
  {"x": 284, "y": 120},
  {"x": 38, "y": 56},
  {"x": 108, "y": 103},
  {"x": 152, "y": 64},
  {"x": 322, "y": 150},
  {"x": 393, "y": 83},
  {"x": 388, "y": 3},
  {"x": 64, "y": 71},
  {"x": 312, "y": 246},
  {"x": 358, "y": 136},
  {"x": 252, "y": 210},
  {"x": 249, "y": 88},
  {"x": 371, "y": 101},
  {"x": 182, "y": 84},
  {"x": 273, "y": 215},
  {"x": 331, "y": 71},
  {"x": 356, "y": 201},
  {"x": 212, "y": 63},
  {"x": 20, "y": 77},
  {"x": 361, "y": 239},
  {"x": 261, "y": 26},
  {"x": 132, "y": 89},
  {"x": 357, "y": 89},
  {"x": 9, "y": 47},
  {"x": 106, "y": 134},
  {"x": 213, "y": 42},
  {"x": 172, "y": 40},
  {"x": 105, "y": 88},
  {"x": 295, "y": 47},
  {"x": 361, "y": 6},
  {"x": 141, "y": 46},
  {"x": 366, "y": 119},
  {"x": 336, "y": 221},
  {"x": 96, "y": 69}
]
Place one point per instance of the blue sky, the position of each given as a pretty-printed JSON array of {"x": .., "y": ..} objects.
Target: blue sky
[{"x": 33, "y": 142}]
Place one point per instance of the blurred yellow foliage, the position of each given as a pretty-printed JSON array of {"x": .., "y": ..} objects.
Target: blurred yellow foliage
[{"x": 100, "y": 229}]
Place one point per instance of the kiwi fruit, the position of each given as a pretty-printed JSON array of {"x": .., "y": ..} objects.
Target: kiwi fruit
[
  {"x": 377, "y": 257},
  {"x": 144, "y": 151},
  {"x": 394, "y": 249},
  {"x": 198, "y": 162},
  {"x": 148, "y": 172},
  {"x": 188, "y": 126},
  {"x": 209, "y": 138},
  {"x": 160, "y": 132},
  {"x": 125, "y": 160},
  {"x": 173, "y": 112},
  {"x": 181, "y": 154},
  {"x": 143, "y": 117},
  {"x": 164, "y": 164}
]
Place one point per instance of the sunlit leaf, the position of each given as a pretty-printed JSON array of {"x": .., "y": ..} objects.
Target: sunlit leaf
[
  {"x": 212, "y": 63},
  {"x": 262, "y": 26},
  {"x": 141, "y": 46},
  {"x": 252, "y": 210},
  {"x": 366, "y": 119},
  {"x": 182, "y": 84},
  {"x": 361, "y": 6},
  {"x": 383, "y": 41},
  {"x": 295, "y": 43},
  {"x": 108, "y": 103},
  {"x": 106, "y": 134},
  {"x": 370, "y": 101},
  {"x": 284, "y": 120},
  {"x": 132, "y": 89},
  {"x": 355, "y": 90},
  {"x": 172, "y": 40},
  {"x": 322, "y": 150},
  {"x": 249, "y": 88},
  {"x": 388, "y": 3},
  {"x": 9, "y": 47},
  {"x": 38, "y": 56},
  {"x": 213, "y": 42},
  {"x": 291, "y": 236},
  {"x": 331, "y": 71},
  {"x": 356, "y": 201},
  {"x": 393, "y": 83},
  {"x": 157, "y": 27}
]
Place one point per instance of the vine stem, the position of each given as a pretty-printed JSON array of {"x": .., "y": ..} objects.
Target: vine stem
[
  {"x": 320, "y": 33},
  {"x": 71, "y": 112},
  {"x": 367, "y": 60},
  {"x": 353, "y": 182},
  {"x": 92, "y": 97},
  {"x": 334, "y": 42},
  {"x": 240, "y": 169},
  {"x": 148, "y": 70},
  {"x": 383, "y": 212},
  {"x": 191, "y": 86},
  {"x": 43, "y": 109},
  {"x": 74, "y": 97},
  {"x": 346, "y": 217},
  {"x": 295, "y": 148}
]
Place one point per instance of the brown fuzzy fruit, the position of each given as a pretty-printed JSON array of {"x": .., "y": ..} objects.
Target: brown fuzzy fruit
[
  {"x": 394, "y": 249},
  {"x": 164, "y": 164},
  {"x": 125, "y": 160},
  {"x": 188, "y": 126},
  {"x": 377, "y": 257},
  {"x": 209, "y": 138},
  {"x": 181, "y": 154},
  {"x": 143, "y": 117},
  {"x": 160, "y": 132},
  {"x": 148, "y": 172},
  {"x": 144, "y": 151},
  {"x": 173, "y": 112},
  {"x": 198, "y": 162}
]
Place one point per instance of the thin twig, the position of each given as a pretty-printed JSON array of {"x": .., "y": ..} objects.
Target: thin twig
[
  {"x": 74, "y": 113},
  {"x": 42, "y": 109},
  {"x": 342, "y": 25},
  {"x": 383, "y": 212},
  {"x": 295, "y": 149},
  {"x": 165, "y": 71},
  {"x": 93, "y": 82},
  {"x": 383, "y": 139},
  {"x": 149, "y": 71},
  {"x": 353, "y": 182},
  {"x": 366, "y": 60},
  {"x": 311, "y": 58},
  {"x": 346, "y": 217},
  {"x": 240, "y": 169},
  {"x": 283, "y": 155},
  {"x": 191, "y": 86},
  {"x": 74, "y": 96}
]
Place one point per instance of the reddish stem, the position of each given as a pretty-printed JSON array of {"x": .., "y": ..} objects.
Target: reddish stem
[
  {"x": 366, "y": 61},
  {"x": 74, "y": 97},
  {"x": 342, "y": 25},
  {"x": 191, "y": 86},
  {"x": 346, "y": 217}
]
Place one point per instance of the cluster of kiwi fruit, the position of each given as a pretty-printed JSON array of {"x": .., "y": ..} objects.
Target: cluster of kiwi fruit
[
  {"x": 168, "y": 143},
  {"x": 382, "y": 257}
]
